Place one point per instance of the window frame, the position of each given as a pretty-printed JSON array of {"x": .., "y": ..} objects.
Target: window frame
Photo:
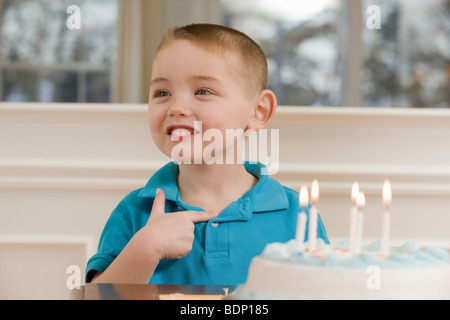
[{"x": 81, "y": 68}]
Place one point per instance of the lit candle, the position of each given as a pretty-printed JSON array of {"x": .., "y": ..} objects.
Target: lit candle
[
  {"x": 301, "y": 218},
  {"x": 353, "y": 219},
  {"x": 355, "y": 192},
  {"x": 360, "y": 203},
  {"x": 312, "y": 228},
  {"x": 387, "y": 199}
]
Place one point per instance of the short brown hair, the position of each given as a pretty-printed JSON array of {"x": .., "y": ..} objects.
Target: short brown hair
[{"x": 216, "y": 38}]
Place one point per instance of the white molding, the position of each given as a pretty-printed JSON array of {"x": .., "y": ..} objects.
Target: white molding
[
  {"x": 338, "y": 178},
  {"x": 107, "y": 108},
  {"x": 44, "y": 183},
  {"x": 364, "y": 111},
  {"x": 87, "y": 241},
  {"x": 64, "y": 163},
  {"x": 293, "y": 113},
  {"x": 91, "y": 174},
  {"x": 39, "y": 263},
  {"x": 95, "y": 174},
  {"x": 367, "y": 170},
  {"x": 54, "y": 168}
]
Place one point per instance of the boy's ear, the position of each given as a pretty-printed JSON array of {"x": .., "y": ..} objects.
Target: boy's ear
[{"x": 265, "y": 107}]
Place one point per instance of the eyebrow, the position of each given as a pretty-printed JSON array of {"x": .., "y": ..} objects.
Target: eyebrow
[
  {"x": 206, "y": 78},
  {"x": 197, "y": 77},
  {"x": 158, "y": 80}
]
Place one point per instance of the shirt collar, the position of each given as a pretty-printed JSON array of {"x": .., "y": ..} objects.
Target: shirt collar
[
  {"x": 267, "y": 195},
  {"x": 164, "y": 178}
]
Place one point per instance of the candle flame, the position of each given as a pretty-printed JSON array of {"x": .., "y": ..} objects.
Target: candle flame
[
  {"x": 355, "y": 191},
  {"x": 361, "y": 200},
  {"x": 304, "y": 196},
  {"x": 387, "y": 193},
  {"x": 315, "y": 191}
]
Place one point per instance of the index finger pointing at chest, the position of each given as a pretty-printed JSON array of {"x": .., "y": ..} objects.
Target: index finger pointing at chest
[{"x": 200, "y": 216}]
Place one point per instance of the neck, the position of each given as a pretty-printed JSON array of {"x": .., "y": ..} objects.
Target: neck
[{"x": 213, "y": 187}]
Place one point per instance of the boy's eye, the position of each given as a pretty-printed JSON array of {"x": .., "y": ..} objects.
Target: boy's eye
[
  {"x": 160, "y": 94},
  {"x": 203, "y": 92}
]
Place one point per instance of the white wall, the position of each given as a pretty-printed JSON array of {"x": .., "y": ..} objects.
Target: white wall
[{"x": 64, "y": 167}]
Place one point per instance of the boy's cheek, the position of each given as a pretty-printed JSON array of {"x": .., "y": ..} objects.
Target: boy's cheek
[{"x": 153, "y": 122}]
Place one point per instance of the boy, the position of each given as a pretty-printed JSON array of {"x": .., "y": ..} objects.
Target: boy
[{"x": 197, "y": 222}]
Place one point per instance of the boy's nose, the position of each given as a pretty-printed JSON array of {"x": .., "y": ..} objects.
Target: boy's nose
[{"x": 179, "y": 109}]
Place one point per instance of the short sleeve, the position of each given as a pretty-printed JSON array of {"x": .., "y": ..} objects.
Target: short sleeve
[{"x": 115, "y": 236}]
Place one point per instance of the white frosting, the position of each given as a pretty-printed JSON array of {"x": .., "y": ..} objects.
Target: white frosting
[{"x": 330, "y": 272}]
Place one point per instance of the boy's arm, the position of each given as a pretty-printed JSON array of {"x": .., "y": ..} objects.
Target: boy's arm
[
  {"x": 170, "y": 236},
  {"x": 133, "y": 265}
]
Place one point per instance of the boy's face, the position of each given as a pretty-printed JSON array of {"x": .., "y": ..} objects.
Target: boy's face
[{"x": 191, "y": 84}]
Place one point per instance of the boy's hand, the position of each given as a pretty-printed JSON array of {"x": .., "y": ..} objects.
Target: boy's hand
[{"x": 172, "y": 234}]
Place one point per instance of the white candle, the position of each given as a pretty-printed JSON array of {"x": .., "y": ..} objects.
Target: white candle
[
  {"x": 387, "y": 199},
  {"x": 312, "y": 228},
  {"x": 301, "y": 218},
  {"x": 355, "y": 192},
  {"x": 353, "y": 219},
  {"x": 360, "y": 203}
]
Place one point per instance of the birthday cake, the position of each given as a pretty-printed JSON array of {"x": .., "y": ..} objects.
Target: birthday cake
[{"x": 332, "y": 272}]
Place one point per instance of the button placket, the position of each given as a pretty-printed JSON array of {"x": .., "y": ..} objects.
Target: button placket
[{"x": 216, "y": 244}]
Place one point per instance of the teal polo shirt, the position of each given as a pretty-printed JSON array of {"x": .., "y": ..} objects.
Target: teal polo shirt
[{"x": 223, "y": 246}]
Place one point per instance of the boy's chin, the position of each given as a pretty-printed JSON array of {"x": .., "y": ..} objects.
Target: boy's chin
[
  {"x": 193, "y": 161},
  {"x": 199, "y": 160}
]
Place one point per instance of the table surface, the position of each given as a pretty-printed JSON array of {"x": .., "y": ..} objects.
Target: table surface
[{"x": 109, "y": 291}]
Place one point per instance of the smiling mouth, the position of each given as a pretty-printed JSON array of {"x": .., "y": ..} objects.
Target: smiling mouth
[{"x": 181, "y": 133}]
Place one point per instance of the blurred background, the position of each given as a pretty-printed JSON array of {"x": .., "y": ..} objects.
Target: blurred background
[{"x": 320, "y": 53}]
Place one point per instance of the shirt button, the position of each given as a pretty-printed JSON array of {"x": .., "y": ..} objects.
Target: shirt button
[{"x": 214, "y": 224}]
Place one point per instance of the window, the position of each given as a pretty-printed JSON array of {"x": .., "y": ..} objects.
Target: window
[
  {"x": 407, "y": 61},
  {"x": 43, "y": 58},
  {"x": 323, "y": 53},
  {"x": 320, "y": 53},
  {"x": 302, "y": 43}
]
